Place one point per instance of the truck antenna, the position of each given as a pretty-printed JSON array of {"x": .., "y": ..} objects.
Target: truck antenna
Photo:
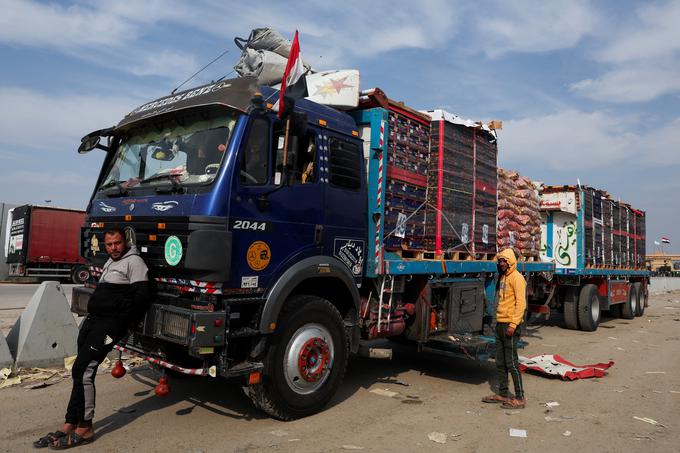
[{"x": 199, "y": 71}]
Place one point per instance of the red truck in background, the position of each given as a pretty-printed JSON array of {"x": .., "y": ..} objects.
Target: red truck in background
[{"x": 43, "y": 242}]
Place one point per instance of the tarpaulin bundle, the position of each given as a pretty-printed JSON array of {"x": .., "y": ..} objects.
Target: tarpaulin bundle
[
  {"x": 264, "y": 56},
  {"x": 519, "y": 218},
  {"x": 554, "y": 365}
]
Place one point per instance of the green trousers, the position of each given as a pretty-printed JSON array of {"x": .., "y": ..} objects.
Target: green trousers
[{"x": 507, "y": 361}]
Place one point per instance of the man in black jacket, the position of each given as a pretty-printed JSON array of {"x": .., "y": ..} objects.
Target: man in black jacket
[{"x": 121, "y": 298}]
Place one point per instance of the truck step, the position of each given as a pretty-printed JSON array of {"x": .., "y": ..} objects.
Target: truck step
[{"x": 243, "y": 332}]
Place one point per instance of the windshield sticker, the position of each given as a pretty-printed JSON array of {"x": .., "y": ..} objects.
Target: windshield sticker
[
  {"x": 94, "y": 245},
  {"x": 173, "y": 250},
  {"x": 106, "y": 208},
  {"x": 350, "y": 252},
  {"x": 164, "y": 206},
  {"x": 250, "y": 282},
  {"x": 258, "y": 255}
]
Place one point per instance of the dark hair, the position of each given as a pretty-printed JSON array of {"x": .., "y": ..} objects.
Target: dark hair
[{"x": 115, "y": 230}]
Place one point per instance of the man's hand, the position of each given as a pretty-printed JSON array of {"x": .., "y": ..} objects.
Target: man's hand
[{"x": 510, "y": 331}]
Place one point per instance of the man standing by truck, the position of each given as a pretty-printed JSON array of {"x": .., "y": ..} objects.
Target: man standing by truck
[
  {"x": 121, "y": 297},
  {"x": 509, "y": 316}
]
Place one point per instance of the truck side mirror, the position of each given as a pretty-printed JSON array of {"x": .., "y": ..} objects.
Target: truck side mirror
[{"x": 88, "y": 143}]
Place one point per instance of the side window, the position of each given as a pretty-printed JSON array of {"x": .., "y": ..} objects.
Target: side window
[
  {"x": 254, "y": 167},
  {"x": 345, "y": 164},
  {"x": 301, "y": 159}
]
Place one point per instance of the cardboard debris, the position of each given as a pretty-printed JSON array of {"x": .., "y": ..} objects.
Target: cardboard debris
[
  {"x": 5, "y": 372},
  {"x": 566, "y": 433},
  {"x": 9, "y": 382},
  {"x": 279, "y": 433},
  {"x": 518, "y": 432},
  {"x": 352, "y": 447}
]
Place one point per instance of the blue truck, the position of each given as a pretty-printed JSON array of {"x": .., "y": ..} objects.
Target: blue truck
[{"x": 266, "y": 239}]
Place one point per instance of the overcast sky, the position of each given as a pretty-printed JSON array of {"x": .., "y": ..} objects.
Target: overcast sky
[{"x": 586, "y": 90}]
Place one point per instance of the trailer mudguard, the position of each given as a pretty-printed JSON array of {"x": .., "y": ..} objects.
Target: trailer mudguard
[{"x": 312, "y": 267}]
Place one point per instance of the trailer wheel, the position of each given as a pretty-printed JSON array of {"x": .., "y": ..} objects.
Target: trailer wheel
[
  {"x": 80, "y": 275},
  {"x": 570, "y": 308},
  {"x": 629, "y": 307},
  {"x": 639, "y": 299},
  {"x": 589, "y": 308},
  {"x": 305, "y": 361}
]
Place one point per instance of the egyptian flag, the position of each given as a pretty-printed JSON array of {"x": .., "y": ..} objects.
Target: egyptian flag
[
  {"x": 293, "y": 85},
  {"x": 665, "y": 240}
]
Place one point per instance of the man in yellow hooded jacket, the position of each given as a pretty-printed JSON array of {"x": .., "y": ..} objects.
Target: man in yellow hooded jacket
[{"x": 509, "y": 316}]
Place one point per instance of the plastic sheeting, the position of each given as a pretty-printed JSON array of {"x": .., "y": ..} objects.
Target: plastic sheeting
[{"x": 554, "y": 365}]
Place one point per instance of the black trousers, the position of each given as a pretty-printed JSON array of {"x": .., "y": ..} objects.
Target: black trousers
[
  {"x": 96, "y": 339},
  {"x": 507, "y": 361}
]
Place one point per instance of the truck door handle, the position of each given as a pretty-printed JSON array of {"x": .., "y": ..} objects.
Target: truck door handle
[{"x": 318, "y": 234}]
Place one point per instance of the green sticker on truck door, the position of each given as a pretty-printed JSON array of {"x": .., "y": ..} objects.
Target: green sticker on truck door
[{"x": 173, "y": 250}]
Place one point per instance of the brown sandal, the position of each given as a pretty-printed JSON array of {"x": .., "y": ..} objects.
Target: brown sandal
[
  {"x": 494, "y": 399},
  {"x": 514, "y": 403}
]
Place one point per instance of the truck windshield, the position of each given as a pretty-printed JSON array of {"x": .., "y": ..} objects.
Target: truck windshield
[{"x": 179, "y": 151}]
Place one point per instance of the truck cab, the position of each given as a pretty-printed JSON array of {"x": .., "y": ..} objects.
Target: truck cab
[{"x": 245, "y": 220}]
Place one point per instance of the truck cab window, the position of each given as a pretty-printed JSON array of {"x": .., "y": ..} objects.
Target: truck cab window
[
  {"x": 300, "y": 159},
  {"x": 254, "y": 167}
]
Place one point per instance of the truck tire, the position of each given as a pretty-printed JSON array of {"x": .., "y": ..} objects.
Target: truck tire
[
  {"x": 589, "y": 312},
  {"x": 305, "y": 360},
  {"x": 639, "y": 299},
  {"x": 571, "y": 308},
  {"x": 80, "y": 274},
  {"x": 629, "y": 307}
]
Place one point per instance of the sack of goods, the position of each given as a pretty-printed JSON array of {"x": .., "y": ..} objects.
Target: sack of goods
[{"x": 519, "y": 218}]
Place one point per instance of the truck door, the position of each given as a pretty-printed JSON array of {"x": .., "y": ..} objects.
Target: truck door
[{"x": 272, "y": 221}]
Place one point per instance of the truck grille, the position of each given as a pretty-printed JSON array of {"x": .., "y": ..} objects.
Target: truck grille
[{"x": 173, "y": 326}]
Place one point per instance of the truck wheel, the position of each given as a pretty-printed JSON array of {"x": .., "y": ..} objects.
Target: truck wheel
[
  {"x": 589, "y": 308},
  {"x": 629, "y": 307},
  {"x": 570, "y": 308},
  {"x": 639, "y": 299},
  {"x": 305, "y": 361},
  {"x": 80, "y": 275}
]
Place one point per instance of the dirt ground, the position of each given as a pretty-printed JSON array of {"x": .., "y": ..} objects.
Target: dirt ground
[{"x": 442, "y": 395}]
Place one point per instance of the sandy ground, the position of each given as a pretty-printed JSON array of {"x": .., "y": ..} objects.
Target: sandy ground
[{"x": 443, "y": 395}]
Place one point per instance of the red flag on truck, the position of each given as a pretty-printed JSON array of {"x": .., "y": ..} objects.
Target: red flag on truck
[
  {"x": 293, "y": 85},
  {"x": 665, "y": 240}
]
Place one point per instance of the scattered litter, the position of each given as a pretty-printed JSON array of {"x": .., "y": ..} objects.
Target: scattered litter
[
  {"x": 384, "y": 392},
  {"x": 5, "y": 372},
  {"x": 607, "y": 327},
  {"x": 566, "y": 433},
  {"x": 405, "y": 384},
  {"x": 518, "y": 432},
  {"x": 649, "y": 420},
  {"x": 512, "y": 412},
  {"x": 655, "y": 372},
  {"x": 555, "y": 365},
  {"x": 350, "y": 447},
  {"x": 9, "y": 382},
  {"x": 670, "y": 308},
  {"x": 619, "y": 391},
  {"x": 673, "y": 391},
  {"x": 45, "y": 383},
  {"x": 639, "y": 437},
  {"x": 656, "y": 391},
  {"x": 279, "y": 433},
  {"x": 548, "y": 418},
  {"x": 294, "y": 440},
  {"x": 635, "y": 341},
  {"x": 68, "y": 362},
  {"x": 435, "y": 436},
  {"x": 550, "y": 404},
  {"x": 455, "y": 437},
  {"x": 612, "y": 338},
  {"x": 411, "y": 401},
  {"x": 126, "y": 410}
]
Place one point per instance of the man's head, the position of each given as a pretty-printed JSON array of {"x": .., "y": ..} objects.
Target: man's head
[
  {"x": 507, "y": 259},
  {"x": 116, "y": 245},
  {"x": 503, "y": 265}
]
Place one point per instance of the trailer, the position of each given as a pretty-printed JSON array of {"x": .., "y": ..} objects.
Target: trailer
[
  {"x": 42, "y": 242},
  {"x": 598, "y": 247}
]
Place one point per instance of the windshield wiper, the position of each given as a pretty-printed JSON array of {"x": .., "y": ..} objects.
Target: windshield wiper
[
  {"x": 176, "y": 186},
  {"x": 120, "y": 190}
]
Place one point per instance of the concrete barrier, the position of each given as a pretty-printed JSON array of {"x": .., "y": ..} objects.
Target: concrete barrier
[
  {"x": 660, "y": 285},
  {"x": 46, "y": 332},
  {"x": 6, "y": 359}
]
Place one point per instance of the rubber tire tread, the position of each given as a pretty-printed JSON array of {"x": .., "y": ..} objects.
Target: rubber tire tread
[
  {"x": 265, "y": 395},
  {"x": 640, "y": 308},
  {"x": 586, "y": 298},
  {"x": 570, "y": 310},
  {"x": 627, "y": 311}
]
